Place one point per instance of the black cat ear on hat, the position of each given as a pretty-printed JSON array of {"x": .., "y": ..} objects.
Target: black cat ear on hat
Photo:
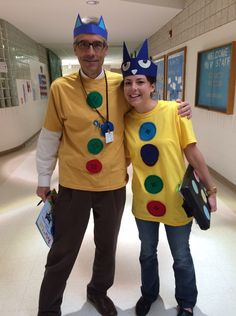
[
  {"x": 143, "y": 52},
  {"x": 126, "y": 56}
]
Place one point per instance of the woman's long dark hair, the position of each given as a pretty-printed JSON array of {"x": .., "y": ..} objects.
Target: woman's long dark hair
[{"x": 149, "y": 78}]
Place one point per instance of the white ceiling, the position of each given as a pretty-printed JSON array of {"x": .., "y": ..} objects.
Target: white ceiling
[{"x": 51, "y": 22}]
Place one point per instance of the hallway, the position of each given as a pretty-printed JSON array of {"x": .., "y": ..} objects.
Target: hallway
[{"x": 23, "y": 253}]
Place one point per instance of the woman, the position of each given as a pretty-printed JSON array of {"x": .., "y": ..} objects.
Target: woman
[{"x": 157, "y": 140}]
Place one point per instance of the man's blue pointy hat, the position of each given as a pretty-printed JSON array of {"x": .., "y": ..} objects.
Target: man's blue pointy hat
[{"x": 91, "y": 28}]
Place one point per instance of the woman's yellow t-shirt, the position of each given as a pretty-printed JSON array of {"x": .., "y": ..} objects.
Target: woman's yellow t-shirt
[{"x": 155, "y": 143}]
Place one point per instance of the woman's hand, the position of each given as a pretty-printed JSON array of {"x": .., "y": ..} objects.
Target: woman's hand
[{"x": 212, "y": 201}]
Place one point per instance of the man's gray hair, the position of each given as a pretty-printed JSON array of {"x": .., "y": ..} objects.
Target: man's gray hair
[{"x": 90, "y": 20}]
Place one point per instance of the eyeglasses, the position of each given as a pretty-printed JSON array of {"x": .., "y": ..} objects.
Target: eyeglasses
[{"x": 98, "y": 46}]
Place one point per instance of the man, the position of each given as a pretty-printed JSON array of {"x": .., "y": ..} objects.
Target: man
[{"x": 84, "y": 128}]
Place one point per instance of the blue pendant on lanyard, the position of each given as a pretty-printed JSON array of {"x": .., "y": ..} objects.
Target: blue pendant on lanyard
[{"x": 107, "y": 127}]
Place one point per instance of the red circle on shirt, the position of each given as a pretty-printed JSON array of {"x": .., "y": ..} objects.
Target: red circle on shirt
[
  {"x": 94, "y": 166},
  {"x": 156, "y": 208}
]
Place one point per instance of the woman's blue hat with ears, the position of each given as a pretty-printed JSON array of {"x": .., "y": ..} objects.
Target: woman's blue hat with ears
[
  {"x": 139, "y": 65},
  {"x": 91, "y": 28}
]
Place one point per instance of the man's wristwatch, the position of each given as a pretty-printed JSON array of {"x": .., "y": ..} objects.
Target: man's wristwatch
[{"x": 211, "y": 191}]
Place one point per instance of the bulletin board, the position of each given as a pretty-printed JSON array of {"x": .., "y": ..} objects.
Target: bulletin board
[
  {"x": 215, "y": 84},
  {"x": 54, "y": 65},
  {"x": 175, "y": 74},
  {"x": 39, "y": 80}
]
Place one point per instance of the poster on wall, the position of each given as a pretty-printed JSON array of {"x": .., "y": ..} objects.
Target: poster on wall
[
  {"x": 24, "y": 91},
  {"x": 40, "y": 82},
  {"x": 160, "y": 79},
  {"x": 216, "y": 78},
  {"x": 43, "y": 85},
  {"x": 3, "y": 67},
  {"x": 175, "y": 77},
  {"x": 54, "y": 65}
]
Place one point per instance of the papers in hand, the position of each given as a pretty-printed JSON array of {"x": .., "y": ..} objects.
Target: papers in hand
[{"x": 44, "y": 222}]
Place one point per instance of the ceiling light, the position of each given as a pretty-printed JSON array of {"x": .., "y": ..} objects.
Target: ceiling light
[{"x": 92, "y": 2}]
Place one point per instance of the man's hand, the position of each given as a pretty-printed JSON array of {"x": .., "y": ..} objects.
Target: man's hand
[
  {"x": 42, "y": 192},
  {"x": 184, "y": 109}
]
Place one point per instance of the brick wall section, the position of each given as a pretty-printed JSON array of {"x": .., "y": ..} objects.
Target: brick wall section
[
  {"x": 198, "y": 17},
  {"x": 16, "y": 50}
]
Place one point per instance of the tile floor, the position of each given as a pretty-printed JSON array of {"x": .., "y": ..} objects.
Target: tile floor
[{"x": 23, "y": 254}]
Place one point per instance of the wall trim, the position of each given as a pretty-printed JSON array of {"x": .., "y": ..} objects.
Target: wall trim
[
  {"x": 222, "y": 179},
  {"x": 3, "y": 153}
]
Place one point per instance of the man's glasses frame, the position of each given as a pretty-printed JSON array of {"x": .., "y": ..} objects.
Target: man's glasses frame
[{"x": 98, "y": 46}]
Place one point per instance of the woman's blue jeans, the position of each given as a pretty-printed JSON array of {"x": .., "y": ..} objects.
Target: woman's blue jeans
[{"x": 178, "y": 239}]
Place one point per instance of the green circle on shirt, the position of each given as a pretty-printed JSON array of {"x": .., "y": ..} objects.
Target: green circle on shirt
[
  {"x": 94, "y": 99},
  {"x": 94, "y": 146},
  {"x": 153, "y": 184}
]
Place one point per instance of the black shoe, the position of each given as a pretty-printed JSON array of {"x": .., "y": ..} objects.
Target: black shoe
[
  {"x": 103, "y": 304},
  {"x": 142, "y": 306},
  {"x": 184, "y": 312}
]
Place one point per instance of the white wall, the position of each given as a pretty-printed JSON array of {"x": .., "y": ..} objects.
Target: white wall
[
  {"x": 20, "y": 123},
  {"x": 216, "y": 132}
]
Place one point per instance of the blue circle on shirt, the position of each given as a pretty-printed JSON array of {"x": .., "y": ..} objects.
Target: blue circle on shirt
[
  {"x": 147, "y": 131},
  {"x": 149, "y": 154}
]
